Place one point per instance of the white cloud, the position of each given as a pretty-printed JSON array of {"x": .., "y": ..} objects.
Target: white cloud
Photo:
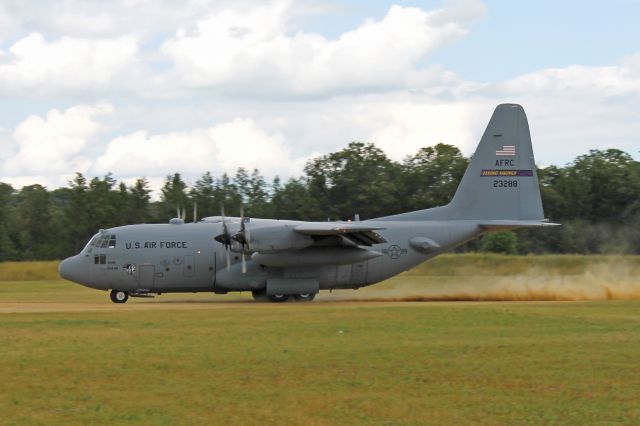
[
  {"x": 220, "y": 148},
  {"x": 65, "y": 64},
  {"x": 615, "y": 80},
  {"x": 251, "y": 88},
  {"x": 250, "y": 51},
  {"x": 410, "y": 126},
  {"x": 99, "y": 18},
  {"x": 577, "y": 108},
  {"x": 54, "y": 144}
]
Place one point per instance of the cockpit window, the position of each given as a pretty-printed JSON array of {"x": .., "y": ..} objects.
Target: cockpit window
[
  {"x": 104, "y": 241},
  {"x": 89, "y": 247}
]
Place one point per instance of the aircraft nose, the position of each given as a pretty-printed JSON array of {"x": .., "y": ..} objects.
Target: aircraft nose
[{"x": 73, "y": 269}]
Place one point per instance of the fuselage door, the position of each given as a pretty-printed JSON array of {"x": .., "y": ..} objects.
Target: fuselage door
[{"x": 147, "y": 277}]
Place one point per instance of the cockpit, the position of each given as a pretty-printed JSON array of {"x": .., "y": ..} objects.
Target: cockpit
[{"x": 100, "y": 240}]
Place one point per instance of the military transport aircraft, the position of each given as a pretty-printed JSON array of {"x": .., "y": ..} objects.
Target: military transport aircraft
[{"x": 280, "y": 259}]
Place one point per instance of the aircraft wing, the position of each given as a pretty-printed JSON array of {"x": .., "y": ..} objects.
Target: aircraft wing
[{"x": 356, "y": 233}]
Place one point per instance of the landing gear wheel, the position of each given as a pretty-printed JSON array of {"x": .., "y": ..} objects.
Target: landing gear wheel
[
  {"x": 305, "y": 297},
  {"x": 260, "y": 296},
  {"x": 118, "y": 296},
  {"x": 278, "y": 298}
]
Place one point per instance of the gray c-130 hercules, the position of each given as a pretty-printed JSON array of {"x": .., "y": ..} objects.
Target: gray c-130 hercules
[{"x": 279, "y": 259}]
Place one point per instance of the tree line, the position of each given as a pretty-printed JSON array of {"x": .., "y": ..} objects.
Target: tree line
[{"x": 596, "y": 198}]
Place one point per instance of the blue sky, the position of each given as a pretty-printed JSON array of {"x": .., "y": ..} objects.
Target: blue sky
[
  {"x": 113, "y": 86},
  {"x": 518, "y": 37}
]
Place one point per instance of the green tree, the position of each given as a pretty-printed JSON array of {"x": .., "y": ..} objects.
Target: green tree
[
  {"x": 6, "y": 218},
  {"x": 174, "y": 196},
  {"x": 35, "y": 221},
  {"x": 78, "y": 217},
  {"x": 138, "y": 201},
  {"x": 294, "y": 201},
  {"x": 431, "y": 177},
  {"x": 358, "y": 179},
  {"x": 227, "y": 196},
  {"x": 502, "y": 242},
  {"x": 203, "y": 194}
]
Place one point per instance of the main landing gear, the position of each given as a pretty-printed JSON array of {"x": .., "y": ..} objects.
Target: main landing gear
[
  {"x": 261, "y": 296},
  {"x": 118, "y": 296}
]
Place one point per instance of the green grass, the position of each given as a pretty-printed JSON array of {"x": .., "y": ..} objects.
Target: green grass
[
  {"x": 29, "y": 271},
  {"x": 322, "y": 363},
  {"x": 572, "y": 363}
]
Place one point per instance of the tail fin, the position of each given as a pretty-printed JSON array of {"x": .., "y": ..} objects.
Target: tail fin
[
  {"x": 501, "y": 182},
  {"x": 500, "y": 187}
]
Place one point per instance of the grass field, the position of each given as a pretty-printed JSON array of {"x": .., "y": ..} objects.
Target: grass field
[{"x": 68, "y": 355}]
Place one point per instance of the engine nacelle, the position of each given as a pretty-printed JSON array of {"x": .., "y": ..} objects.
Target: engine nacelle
[{"x": 270, "y": 239}]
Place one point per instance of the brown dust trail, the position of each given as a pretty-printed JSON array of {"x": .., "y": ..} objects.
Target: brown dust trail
[{"x": 598, "y": 282}]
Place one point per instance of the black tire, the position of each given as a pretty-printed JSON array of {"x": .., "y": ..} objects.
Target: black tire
[
  {"x": 259, "y": 296},
  {"x": 278, "y": 298},
  {"x": 305, "y": 297},
  {"x": 119, "y": 296}
]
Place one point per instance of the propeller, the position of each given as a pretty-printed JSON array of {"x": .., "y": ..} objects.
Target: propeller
[
  {"x": 195, "y": 212},
  {"x": 225, "y": 238},
  {"x": 242, "y": 237}
]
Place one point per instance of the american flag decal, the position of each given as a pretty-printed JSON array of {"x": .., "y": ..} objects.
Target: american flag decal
[{"x": 507, "y": 150}]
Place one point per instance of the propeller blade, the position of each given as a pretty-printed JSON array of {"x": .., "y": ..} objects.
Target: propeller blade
[
  {"x": 195, "y": 212},
  {"x": 244, "y": 264},
  {"x": 228, "y": 258}
]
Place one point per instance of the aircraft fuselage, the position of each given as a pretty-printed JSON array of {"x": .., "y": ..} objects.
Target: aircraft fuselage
[{"x": 164, "y": 258}]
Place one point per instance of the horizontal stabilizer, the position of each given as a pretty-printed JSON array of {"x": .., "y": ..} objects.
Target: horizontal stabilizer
[{"x": 512, "y": 224}]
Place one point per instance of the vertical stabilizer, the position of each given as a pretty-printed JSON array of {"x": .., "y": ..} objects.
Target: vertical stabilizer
[{"x": 501, "y": 182}]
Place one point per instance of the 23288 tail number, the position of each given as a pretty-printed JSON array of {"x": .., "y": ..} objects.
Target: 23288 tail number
[{"x": 505, "y": 183}]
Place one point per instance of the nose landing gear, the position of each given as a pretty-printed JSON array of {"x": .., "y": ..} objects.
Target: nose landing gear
[{"x": 118, "y": 296}]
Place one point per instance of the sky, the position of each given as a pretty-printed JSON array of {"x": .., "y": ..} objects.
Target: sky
[{"x": 147, "y": 88}]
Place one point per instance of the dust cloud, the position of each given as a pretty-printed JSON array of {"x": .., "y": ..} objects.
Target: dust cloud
[{"x": 613, "y": 281}]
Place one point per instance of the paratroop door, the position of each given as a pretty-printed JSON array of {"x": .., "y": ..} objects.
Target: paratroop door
[{"x": 147, "y": 276}]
